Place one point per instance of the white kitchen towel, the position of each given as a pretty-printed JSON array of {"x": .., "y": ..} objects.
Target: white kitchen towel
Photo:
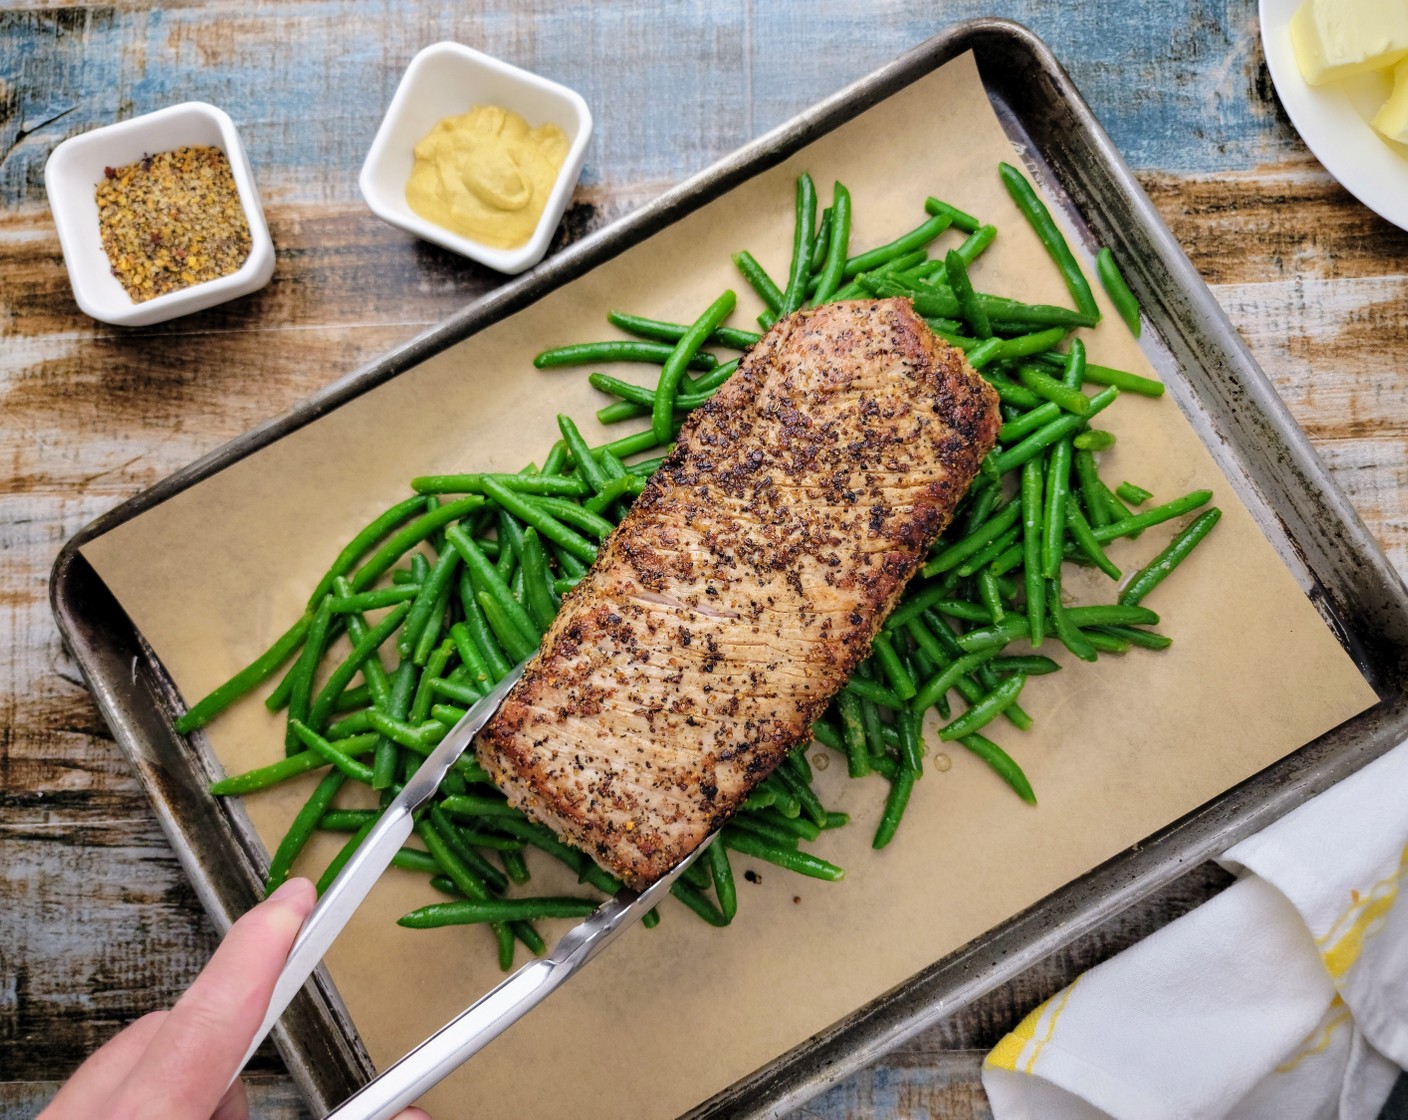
[{"x": 1285, "y": 997}]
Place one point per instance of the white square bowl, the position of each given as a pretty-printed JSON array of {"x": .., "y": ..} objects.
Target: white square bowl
[
  {"x": 71, "y": 178},
  {"x": 446, "y": 80}
]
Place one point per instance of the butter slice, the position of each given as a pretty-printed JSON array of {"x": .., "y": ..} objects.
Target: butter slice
[
  {"x": 1336, "y": 39},
  {"x": 1392, "y": 119}
]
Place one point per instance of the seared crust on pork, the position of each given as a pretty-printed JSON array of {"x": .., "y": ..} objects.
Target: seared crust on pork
[{"x": 744, "y": 585}]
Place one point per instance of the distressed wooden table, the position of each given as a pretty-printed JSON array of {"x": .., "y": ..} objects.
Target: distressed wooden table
[{"x": 97, "y": 924}]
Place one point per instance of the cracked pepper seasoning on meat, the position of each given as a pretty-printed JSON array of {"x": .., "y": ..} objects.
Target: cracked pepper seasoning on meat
[{"x": 172, "y": 220}]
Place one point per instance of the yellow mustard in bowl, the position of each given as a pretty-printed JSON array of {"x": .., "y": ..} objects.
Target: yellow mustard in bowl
[{"x": 486, "y": 175}]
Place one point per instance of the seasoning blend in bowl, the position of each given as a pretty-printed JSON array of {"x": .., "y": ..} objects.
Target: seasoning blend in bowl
[
  {"x": 158, "y": 216},
  {"x": 477, "y": 156}
]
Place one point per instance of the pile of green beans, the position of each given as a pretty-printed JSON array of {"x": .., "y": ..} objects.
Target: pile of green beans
[{"x": 466, "y": 574}]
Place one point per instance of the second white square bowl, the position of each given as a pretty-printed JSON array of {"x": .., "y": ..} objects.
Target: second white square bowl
[{"x": 445, "y": 80}]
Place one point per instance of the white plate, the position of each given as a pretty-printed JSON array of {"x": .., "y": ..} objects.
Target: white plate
[{"x": 1333, "y": 120}]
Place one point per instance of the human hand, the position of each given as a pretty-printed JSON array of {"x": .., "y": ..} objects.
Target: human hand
[{"x": 177, "y": 1064}]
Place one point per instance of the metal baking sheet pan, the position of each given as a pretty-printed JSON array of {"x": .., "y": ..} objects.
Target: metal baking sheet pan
[{"x": 1210, "y": 375}]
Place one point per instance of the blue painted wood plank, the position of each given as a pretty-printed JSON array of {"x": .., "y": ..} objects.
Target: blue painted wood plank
[{"x": 673, "y": 87}]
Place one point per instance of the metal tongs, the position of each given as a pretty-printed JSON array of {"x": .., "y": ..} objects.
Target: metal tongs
[{"x": 488, "y": 1017}]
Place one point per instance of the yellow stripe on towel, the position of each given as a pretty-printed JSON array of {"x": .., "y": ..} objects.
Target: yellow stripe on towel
[
  {"x": 1008, "y": 1052},
  {"x": 1364, "y": 917}
]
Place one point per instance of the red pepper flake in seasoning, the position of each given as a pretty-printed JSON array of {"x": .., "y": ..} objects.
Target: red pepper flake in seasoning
[{"x": 172, "y": 220}]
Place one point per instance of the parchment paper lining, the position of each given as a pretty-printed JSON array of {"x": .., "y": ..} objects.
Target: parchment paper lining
[{"x": 670, "y": 1017}]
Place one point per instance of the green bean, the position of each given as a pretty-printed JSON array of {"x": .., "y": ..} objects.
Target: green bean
[
  {"x": 1084, "y": 536},
  {"x": 347, "y": 820},
  {"x": 989, "y": 350},
  {"x": 955, "y": 554},
  {"x": 593, "y": 353},
  {"x": 960, "y": 220},
  {"x": 303, "y": 826},
  {"x": 989, "y": 637},
  {"x": 538, "y": 592},
  {"x": 768, "y": 830},
  {"x": 301, "y": 675},
  {"x": 1134, "y": 495},
  {"x": 989, "y": 552},
  {"x": 247, "y": 679},
  {"x": 875, "y": 693},
  {"x": 587, "y": 466},
  {"x": 916, "y": 238},
  {"x": 487, "y": 873},
  {"x": 434, "y": 668},
  {"x": 724, "y": 888},
  {"x": 900, "y": 681},
  {"x": 934, "y": 689},
  {"x": 374, "y": 600},
  {"x": 1058, "y": 481},
  {"x": 799, "y": 787},
  {"x": 465, "y": 911},
  {"x": 387, "y": 758},
  {"x": 820, "y": 247},
  {"x": 366, "y": 648},
  {"x": 1116, "y": 288},
  {"x": 266, "y": 776},
  {"x": 848, "y": 707},
  {"x": 1025, "y": 344},
  {"x": 473, "y": 662},
  {"x": 1002, "y": 764},
  {"x": 1033, "y": 515},
  {"x": 1036, "y": 213},
  {"x": 1068, "y": 631},
  {"x": 613, "y": 490},
  {"x": 486, "y": 580},
  {"x": 1150, "y": 576},
  {"x": 697, "y": 902},
  {"x": 895, "y": 803},
  {"x": 1104, "y": 642},
  {"x": 422, "y": 610},
  {"x": 1155, "y": 516},
  {"x": 339, "y": 861},
  {"x": 985, "y": 710},
  {"x": 1008, "y": 392},
  {"x": 1029, "y": 421},
  {"x": 661, "y": 331},
  {"x": 974, "y": 313},
  {"x": 1121, "y": 379},
  {"x": 801, "y": 862},
  {"x": 572, "y": 514},
  {"x": 358, "y": 696},
  {"x": 837, "y": 248},
  {"x": 349, "y": 556},
  {"x": 991, "y": 594},
  {"x": 355, "y": 724},
  {"x": 662, "y": 416},
  {"x": 1096, "y": 510},
  {"x": 643, "y": 396},
  {"x": 911, "y": 748},
  {"x": 1095, "y": 440},
  {"x": 759, "y": 280},
  {"x": 1044, "y": 385},
  {"x": 522, "y": 483},
  {"x": 1146, "y": 639},
  {"x": 1033, "y": 665},
  {"x": 794, "y": 294},
  {"x": 410, "y": 535},
  {"x": 915, "y": 603},
  {"x": 539, "y": 514},
  {"x": 338, "y": 757},
  {"x": 509, "y": 635},
  {"x": 1045, "y": 436}
]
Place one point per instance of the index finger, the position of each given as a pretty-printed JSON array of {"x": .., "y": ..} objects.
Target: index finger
[{"x": 191, "y": 1060}]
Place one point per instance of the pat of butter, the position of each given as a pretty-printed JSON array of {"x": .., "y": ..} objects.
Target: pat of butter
[
  {"x": 1392, "y": 119},
  {"x": 1339, "y": 38}
]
